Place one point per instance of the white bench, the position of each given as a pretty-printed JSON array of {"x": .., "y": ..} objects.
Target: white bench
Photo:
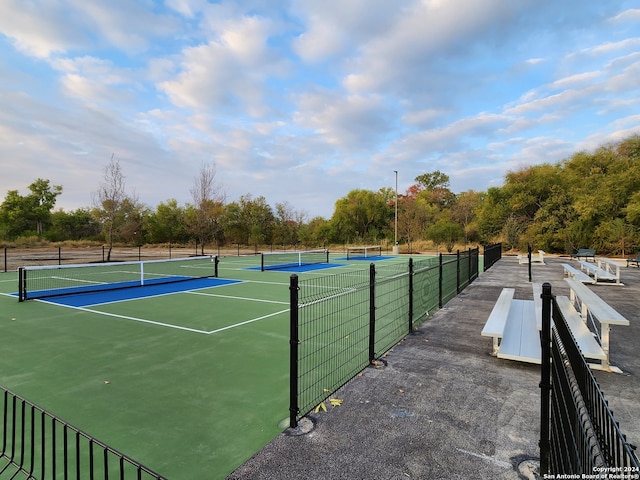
[
  {"x": 602, "y": 271},
  {"x": 494, "y": 327},
  {"x": 534, "y": 258},
  {"x": 521, "y": 339},
  {"x": 590, "y": 305},
  {"x": 577, "y": 274},
  {"x": 537, "y": 304},
  {"x": 513, "y": 326},
  {"x": 612, "y": 268},
  {"x": 585, "y": 339}
]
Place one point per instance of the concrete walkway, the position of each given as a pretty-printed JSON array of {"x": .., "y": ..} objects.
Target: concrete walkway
[{"x": 443, "y": 407}]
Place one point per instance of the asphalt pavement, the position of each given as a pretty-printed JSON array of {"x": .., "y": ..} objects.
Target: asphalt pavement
[{"x": 441, "y": 407}]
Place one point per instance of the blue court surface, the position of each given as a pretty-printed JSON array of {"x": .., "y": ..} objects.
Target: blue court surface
[
  {"x": 294, "y": 267},
  {"x": 125, "y": 292},
  {"x": 376, "y": 258}
]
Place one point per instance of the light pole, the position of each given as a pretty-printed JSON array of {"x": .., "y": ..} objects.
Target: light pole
[{"x": 396, "y": 247}]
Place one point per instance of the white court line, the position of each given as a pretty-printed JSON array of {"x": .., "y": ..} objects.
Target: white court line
[
  {"x": 168, "y": 325},
  {"x": 193, "y": 292},
  {"x": 228, "y": 327},
  {"x": 135, "y": 319}
]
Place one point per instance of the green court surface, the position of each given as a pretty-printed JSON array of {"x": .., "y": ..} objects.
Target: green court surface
[{"x": 190, "y": 384}]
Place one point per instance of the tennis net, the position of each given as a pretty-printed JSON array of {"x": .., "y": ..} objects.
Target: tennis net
[
  {"x": 279, "y": 260},
  {"x": 50, "y": 280},
  {"x": 359, "y": 253}
]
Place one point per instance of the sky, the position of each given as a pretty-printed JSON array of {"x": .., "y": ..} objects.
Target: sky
[{"x": 303, "y": 101}]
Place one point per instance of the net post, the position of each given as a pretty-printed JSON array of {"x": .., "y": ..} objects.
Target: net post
[
  {"x": 141, "y": 273},
  {"x": 372, "y": 313},
  {"x": 21, "y": 284},
  {"x": 215, "y": 268},
  {"x": 262, "y": 262},
  {"x": 294, "y": 341}
]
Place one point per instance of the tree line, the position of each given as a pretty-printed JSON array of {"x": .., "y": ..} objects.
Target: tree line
[{"x": 591, "y": 199}]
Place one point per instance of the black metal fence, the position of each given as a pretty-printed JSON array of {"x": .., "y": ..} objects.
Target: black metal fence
[
  {"x": 342, "y": 323},
  {"x": 38, "y": 445},
  {"x": 492, "y": 253},
  {"x": 578, "y": 433},
  {"x": 14, "y": 258}
]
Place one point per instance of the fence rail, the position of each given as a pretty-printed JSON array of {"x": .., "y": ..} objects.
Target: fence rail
[
  {"x": 341, "y": 323},
  {"x": 578, "y": 432},
  {"x": 38, "y": 445}
]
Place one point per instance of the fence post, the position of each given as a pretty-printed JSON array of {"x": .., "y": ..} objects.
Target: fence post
[
  {"x": 294, "y": 341},
  {"x": 457, "y": 272},
  {"x": 440, "y": 281},
  {"x": 372, "y": 313},
  {"x": 410, "y": 295},
  {"x": 5, "y": 259},
  {"x": 545, "y": 382},
  {"x": 529, "y": 258}
]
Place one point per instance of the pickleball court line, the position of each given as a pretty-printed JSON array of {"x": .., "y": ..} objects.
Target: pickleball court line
[
  {"x": 168, "y": 325},
  {"x": 232, "y": 297}
]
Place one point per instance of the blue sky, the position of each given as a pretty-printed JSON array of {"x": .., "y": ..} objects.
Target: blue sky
[{"x": 303, "y": 101}]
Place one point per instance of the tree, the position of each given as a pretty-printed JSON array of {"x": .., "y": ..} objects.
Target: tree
[
  {"x": 109, "y": 202},
  {"x": 492, "y": 214},
  {"x": 249, "y": 221},
  {"x": 287, "y": 224},
  {"x": 445, "y": 231},
  {"x": 76, "y": 225},
  {"x": 167, "y": 223},
  {"x": 258, "y": 216},
  {"x": 203, "y": 220},
  {"x": 134, "y": 215},
  {"x": 463, "y": 212},
  {"x": 30, "y": 214},
  {"x": 14, "y": 215},
  {"x": 615, "y": 236},
  {"x": 317, "y": 232},
  {"x": 361, "y": 216},
  {"x": 41, "y": 201},
  {"x": 414, "y": 214},
  {"x": 435, "y": 186}
]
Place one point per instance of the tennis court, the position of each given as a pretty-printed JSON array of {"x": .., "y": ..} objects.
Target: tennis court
[{"x": 190, "y": 380}]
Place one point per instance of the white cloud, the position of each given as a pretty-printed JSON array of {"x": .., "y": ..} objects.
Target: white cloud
[
  {"x": 38, "y": 29},
  {"x": 228, "y": 74},
  {"x": 349, "y": 123},
  {"x": 306, "y": 100},
  {"x": 632, "y": 15}
]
